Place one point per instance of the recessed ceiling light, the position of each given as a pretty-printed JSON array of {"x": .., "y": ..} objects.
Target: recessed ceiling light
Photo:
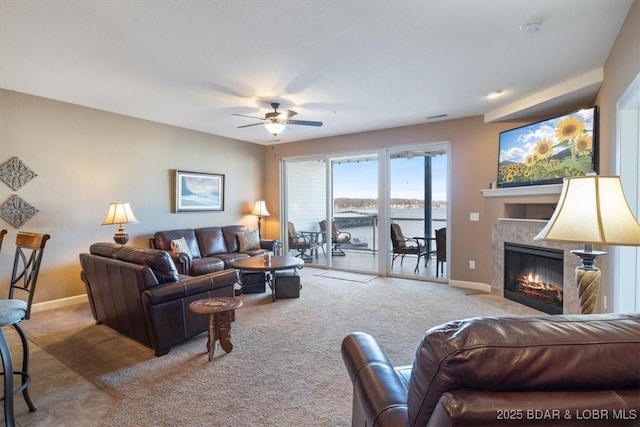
[
  {"x": 495, "y": 93},
  {"x": 530, "y": 27}
]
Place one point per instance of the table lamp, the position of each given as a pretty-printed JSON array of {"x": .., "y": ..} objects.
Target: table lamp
[
  {"x": 120, "y": 213},
  {"x": 260, "y": 210},
  {"x": 592, "y": 210}
]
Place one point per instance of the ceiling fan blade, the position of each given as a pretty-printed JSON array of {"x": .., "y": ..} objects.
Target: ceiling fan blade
[
  {"x": 253, "y": 124},
  {"x": 304, "y": 123},
  {"x": 286, "y": 114},
  {"x": 251, "y": 117}
]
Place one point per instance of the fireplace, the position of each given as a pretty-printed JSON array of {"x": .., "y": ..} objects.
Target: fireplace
[{"x": 533, "y": 276}]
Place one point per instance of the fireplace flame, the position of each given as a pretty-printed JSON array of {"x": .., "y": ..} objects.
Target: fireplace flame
[
  {"x": 533, "y": 285},
  {"x": 532, "y": 279}
]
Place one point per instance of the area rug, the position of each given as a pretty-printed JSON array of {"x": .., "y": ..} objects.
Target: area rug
[{"x": 345, "y": 275}]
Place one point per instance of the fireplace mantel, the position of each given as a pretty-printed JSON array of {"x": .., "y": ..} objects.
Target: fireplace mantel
[
  {"x": 541, "y": 222},
  {"x": 529, "y": 190}
]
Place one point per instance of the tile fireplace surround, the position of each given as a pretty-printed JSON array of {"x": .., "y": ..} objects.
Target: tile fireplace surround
[{"x": 522, "y": 231}]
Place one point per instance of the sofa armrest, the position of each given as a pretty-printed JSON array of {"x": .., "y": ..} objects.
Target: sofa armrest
[
  {"x": 188, "y": 286},
  {"x": 182, "y": 262},
  {"x": 379, "y": 390},
  {"x": 270, "y": 244}
]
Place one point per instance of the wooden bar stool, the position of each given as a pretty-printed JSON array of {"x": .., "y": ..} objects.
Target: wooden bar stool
[
  {"x": 26, "y": 265},
  {"x": 12, "y": 311}
]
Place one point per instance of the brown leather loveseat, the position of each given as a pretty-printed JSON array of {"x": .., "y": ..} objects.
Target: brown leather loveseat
[
  {"x": 491, "y": 371},
  {"x": 139, "y": 293}
]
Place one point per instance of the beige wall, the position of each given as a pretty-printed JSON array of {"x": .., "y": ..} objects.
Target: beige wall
[{"x": 87, "y": 158}]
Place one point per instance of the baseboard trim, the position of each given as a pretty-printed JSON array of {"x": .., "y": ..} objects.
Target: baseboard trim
[
  {"x": 477, "y": 286},
  {"x": 59, "y": 303}
]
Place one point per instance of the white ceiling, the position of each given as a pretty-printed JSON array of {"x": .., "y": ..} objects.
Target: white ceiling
[{"x": 355, "y": 65}]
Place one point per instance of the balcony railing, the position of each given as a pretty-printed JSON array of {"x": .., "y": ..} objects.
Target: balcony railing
[{"x": 363, "y": 228}]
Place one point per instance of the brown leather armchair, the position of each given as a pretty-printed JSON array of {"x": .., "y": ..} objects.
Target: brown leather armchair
[
  {"x": 139, "y": 293},
  {"x": 525, "y": 371}
]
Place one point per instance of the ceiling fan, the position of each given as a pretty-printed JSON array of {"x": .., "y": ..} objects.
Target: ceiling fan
[{"x": 276, "y": 121}]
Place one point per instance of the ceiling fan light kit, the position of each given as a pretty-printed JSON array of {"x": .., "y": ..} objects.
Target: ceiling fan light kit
[
  {"x": 275, "y": 128},
  {"x": 276, "y": 121}
]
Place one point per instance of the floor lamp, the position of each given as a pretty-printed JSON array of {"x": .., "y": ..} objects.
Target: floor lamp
[
  {"x": 260, "y": 210},
  {"x": 592, "y": 210}
]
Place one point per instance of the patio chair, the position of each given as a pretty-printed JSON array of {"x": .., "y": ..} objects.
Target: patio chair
[
  {"x": 403, "y": 246},
  {"x": 301, "y": 242},
  {"x": 337, "y": 237}
]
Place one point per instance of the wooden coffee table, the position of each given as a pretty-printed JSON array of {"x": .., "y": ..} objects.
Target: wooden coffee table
[
  {"x": 219, "y": 310},
  {"x": 277, "y": 263}
]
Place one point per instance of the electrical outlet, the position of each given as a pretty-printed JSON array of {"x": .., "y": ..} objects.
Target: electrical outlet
[
  {"x": 604, "y": 301},
  {"x": 472, "y": 264},
  {"x": 474, "y": 216}
]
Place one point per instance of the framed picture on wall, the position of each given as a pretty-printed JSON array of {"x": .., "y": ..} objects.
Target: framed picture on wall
[{"x": 197, "y": 191}]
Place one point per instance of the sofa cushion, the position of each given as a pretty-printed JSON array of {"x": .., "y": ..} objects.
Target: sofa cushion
[
  {"x": 206, "y": 265},
  {"x": 211, "y": 241},
  {"x": 248, "y": 240},
  {"x": 157, "y": 260},
  {"x": 229, "y": 259},
  {"x": 180, "y": 245},
  {"x": 230, "y": 233}
]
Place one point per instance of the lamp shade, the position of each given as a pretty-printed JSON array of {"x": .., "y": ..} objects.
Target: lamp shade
[
  {"x": 120, "y": 213},
  {"x": 592, "y": 210},
  {"x": 275, "y": 128},
  {"x": 260, "y": 209}
]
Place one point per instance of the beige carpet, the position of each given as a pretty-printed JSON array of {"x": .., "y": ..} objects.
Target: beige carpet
[{"x": 285, "y": 369}]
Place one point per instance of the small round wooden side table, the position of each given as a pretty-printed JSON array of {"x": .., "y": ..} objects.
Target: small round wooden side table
[{"x": 219, "y": 310}]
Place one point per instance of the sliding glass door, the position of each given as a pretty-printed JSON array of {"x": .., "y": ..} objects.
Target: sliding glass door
[
  {"x": 354, "y": 212},
  {"x": 331, "y": 211},
  {"x": 334, "y": 218},
  {"x": 305, "y": 207},
  {"x": 417, "y": 208}
]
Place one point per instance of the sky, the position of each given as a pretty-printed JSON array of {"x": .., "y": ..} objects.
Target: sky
[{"x": 359, "y": 180}]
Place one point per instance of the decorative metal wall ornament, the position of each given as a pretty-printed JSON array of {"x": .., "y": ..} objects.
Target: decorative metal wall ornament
[
  {"x": 16, "y": 211},
  {"x": 15, "y": 173}
]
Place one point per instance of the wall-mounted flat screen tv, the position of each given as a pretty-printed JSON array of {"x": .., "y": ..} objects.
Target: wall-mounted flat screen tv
[{"x": 545, "y": 152}]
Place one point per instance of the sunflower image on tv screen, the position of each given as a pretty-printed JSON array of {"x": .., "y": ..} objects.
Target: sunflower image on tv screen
[{"x": 547, "y": 151}]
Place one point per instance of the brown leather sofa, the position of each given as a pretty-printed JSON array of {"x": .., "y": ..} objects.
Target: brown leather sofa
[
  {"x": 525, "y": 371},
  {"x": 211, "y": 248},
  {"x": 139, "y": 293},
  {"x": 214, "y": 249}
]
